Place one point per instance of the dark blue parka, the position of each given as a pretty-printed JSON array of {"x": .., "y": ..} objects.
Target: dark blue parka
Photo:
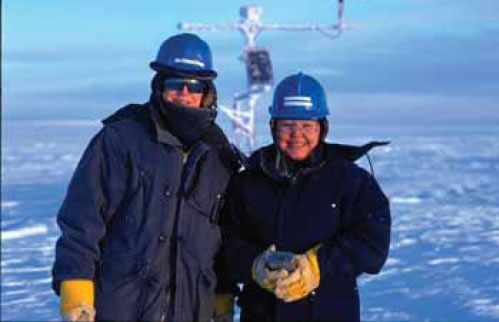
[
  {"x": 331, "y": 202},
  {"x": 141, "y": 221}
]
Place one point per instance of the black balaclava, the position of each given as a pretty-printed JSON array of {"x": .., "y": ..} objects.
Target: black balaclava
[{"x": 187, "y": 124}]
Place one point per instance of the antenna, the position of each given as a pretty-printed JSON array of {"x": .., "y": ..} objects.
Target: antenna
[{"x": 258, "y": 64}]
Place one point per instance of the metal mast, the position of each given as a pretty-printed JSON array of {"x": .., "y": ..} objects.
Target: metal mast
[{"x": 258, "y": 64}]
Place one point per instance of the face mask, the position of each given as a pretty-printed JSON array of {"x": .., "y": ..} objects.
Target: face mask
[{"x": 187, "y": 124}]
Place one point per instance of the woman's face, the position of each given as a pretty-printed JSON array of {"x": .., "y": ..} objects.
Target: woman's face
[{"x": 297, "y": 138}]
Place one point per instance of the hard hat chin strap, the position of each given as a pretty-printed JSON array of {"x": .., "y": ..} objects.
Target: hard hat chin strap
[{"x": 324, "y": 124}]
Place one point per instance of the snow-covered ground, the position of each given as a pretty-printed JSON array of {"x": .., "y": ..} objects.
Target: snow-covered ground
[{"x": 442, "y": 183}]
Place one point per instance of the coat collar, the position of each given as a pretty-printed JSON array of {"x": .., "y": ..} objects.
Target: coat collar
[{"x": 266, "y": 158}]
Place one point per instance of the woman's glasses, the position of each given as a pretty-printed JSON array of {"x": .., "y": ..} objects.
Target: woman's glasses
[{"x": 306, "y": 127}]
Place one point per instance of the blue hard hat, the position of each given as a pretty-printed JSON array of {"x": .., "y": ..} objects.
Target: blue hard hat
[
  {"x": 186, "y": 55},
  {"x": 299, "y": 97}
]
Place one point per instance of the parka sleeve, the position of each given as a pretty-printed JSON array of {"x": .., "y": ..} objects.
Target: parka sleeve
[
  {"x": 95, "y": 190},
  {"x": 362, "y": 245},
  {"x": 238, "y": 249}
]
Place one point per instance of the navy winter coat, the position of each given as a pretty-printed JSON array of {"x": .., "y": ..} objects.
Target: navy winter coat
[
  {"x": 142, "y": 223},
  {"x": 334, "y": 203}
]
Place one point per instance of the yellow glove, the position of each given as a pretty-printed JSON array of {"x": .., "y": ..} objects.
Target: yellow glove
[
  {"x": 77, "y": 300},
  {"x": 224, "y": 307},
  {"x": 262, "y": 275},
  {"x": 303, "y": 280}
]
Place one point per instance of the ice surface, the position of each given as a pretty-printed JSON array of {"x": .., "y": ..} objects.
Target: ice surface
[{"x": 442, "y": 184}]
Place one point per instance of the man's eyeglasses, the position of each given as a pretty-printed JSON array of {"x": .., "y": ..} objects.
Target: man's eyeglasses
[
  {"x": 177, "y": 84},
  {"x": 287, "y": 127}
]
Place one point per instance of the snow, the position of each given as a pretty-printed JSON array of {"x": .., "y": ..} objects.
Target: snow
[
  {"x": 9, "y": 204},
  {"x": 411, "y": 200},
  {"x": 442, "y": 185},
  {"x": 26, "y": 270},
  {"x": 23, "y": 232},
  {"x": 440, "y": 261}
]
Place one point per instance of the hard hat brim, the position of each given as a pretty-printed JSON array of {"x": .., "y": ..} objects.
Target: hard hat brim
[
  {"x": 197, "y": 74},
  {"x": 299, "y": 118}
]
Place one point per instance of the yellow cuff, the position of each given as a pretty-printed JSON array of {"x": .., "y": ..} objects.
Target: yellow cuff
[
  {"x": 75, "y": 293},
  {"x": 314, "y": 262},
  {"x": 224, "y": 303}
]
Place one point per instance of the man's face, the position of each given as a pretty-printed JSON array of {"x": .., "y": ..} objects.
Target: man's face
[
  {"x": 297, "y": 138},
  {"x": 184, "y": 91}
]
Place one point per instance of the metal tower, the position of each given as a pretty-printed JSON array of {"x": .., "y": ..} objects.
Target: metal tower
[{"x": 258, "y": 64}]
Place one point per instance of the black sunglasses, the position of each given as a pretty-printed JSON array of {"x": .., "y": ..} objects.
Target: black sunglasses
[{"x": 177, "y": 84}]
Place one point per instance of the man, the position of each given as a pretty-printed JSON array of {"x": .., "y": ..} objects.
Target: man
[
  {"x": 140, "y": 219},
  {"x": 302, "y": 222}
]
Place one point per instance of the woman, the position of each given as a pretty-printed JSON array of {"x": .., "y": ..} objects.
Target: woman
[{"x": 302, "y": 222}]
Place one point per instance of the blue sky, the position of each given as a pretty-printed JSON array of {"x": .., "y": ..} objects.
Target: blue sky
[{"x": 405, "y": 61}]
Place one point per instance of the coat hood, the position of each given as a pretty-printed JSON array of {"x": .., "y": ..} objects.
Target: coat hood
[{"x": 127, "y": 112}]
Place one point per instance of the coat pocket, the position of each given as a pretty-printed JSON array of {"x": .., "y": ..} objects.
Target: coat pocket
[
  {"x": 217, "y": 207},
  {"x": 129, "y": 215},
  {"x": 119, "y": 289},
  {"x": 202, "y": 237},
  {"x": 135, "y": 204},
  {"x": 208, "y": 206}
]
